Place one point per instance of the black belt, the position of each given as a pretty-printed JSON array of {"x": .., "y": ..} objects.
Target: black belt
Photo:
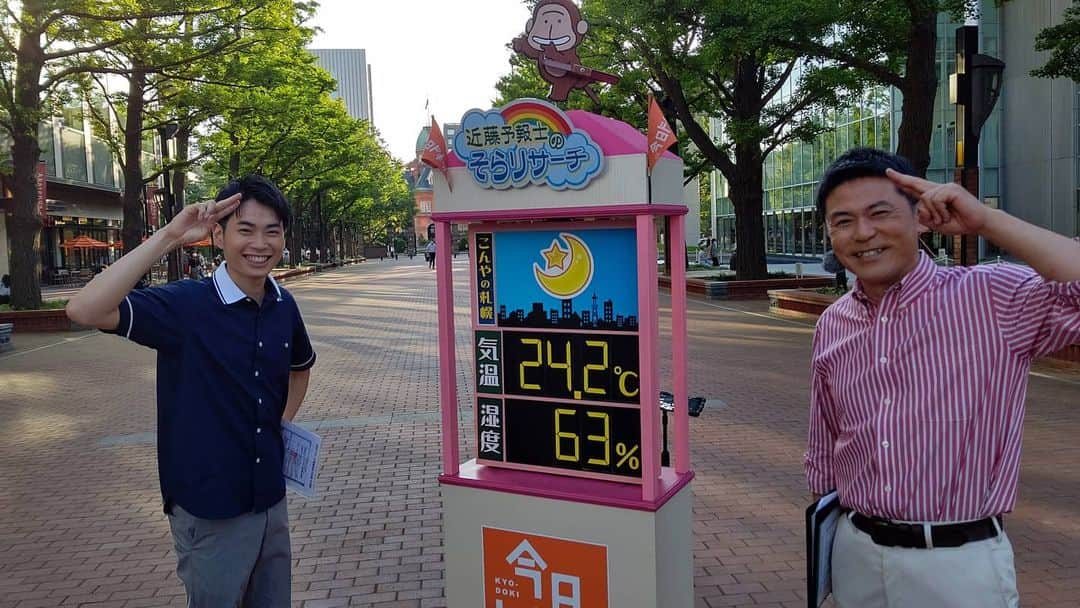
[{"x": 913, "y": 536}]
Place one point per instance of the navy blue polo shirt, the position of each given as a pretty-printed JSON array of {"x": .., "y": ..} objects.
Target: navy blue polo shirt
[{"x": 223, "y": 368}]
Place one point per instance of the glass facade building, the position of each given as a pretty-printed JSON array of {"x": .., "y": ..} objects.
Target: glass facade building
[
  {"x": 792, "y": 171},
  {"x": 83, "y": 188}
]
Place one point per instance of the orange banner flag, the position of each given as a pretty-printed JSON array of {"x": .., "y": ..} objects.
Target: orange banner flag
[
  {"x": 661, "y": 136},
  {"x": 434, "y": 154}
]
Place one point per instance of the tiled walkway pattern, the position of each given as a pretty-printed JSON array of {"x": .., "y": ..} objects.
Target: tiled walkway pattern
[{"x": 81, "y": 523}]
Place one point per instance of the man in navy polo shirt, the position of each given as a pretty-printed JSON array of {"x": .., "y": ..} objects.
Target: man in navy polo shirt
[{"x": 233, "y": 360}]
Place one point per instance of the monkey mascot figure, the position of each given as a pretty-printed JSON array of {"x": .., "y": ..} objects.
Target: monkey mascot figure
[{"x": 551, "y": 38}]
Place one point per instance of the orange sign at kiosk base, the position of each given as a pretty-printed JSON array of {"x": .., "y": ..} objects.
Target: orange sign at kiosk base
[{"x": 532, "y": 571}]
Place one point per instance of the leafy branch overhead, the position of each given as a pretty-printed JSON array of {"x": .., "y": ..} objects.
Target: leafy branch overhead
[{"x": 1063, "y": 42}]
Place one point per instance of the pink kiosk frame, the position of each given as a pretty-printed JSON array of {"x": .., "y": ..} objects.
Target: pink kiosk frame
[{"x": 622, "y": 188}]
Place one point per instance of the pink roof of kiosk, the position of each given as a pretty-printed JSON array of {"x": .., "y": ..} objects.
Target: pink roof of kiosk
[{"x": 615, "y": 137}]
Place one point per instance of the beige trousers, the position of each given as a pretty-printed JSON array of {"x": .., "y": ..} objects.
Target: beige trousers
[{"x": 866, "y": 575}]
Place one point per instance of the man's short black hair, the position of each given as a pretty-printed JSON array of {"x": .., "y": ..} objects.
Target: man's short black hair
[
  {"x": 861, "y": 162},
  {"x": 262, "y": 190}
]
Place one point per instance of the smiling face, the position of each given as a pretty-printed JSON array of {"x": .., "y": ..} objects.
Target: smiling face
[
  {"x": 553, "y": 25},
  {"x": 252, "y": 241},
  {"x": 874, "y": 232}
]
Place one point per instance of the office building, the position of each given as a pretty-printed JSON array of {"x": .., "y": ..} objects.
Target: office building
[{"x": 353, "y": 74}]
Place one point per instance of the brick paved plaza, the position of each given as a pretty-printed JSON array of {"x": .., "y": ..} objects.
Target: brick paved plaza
[{"x": 81, "y": 521}]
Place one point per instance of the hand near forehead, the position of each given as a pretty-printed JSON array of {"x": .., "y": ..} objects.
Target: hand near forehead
[
  {"x": 944, "y": 208},
  {"x": 195, "y": 222}
]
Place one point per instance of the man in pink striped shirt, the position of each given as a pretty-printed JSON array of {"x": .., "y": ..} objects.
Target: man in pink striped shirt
[{"x": 919, "y": 376}]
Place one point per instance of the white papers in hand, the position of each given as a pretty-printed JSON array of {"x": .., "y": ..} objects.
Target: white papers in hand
[{"x": 301, "y": 466}]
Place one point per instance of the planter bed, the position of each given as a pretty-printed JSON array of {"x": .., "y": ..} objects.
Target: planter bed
[
  {"x": 26, "y": 321},
  {"x": 746, "y": 290},
  {"x": 1069, "y": 353},
  {"x": 799, "y": 302},
  {"x": 292, "y": 273}
]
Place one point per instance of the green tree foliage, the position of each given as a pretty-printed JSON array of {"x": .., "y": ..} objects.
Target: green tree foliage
[
  {"x": 43, "y": 45},
  {"x": 279, "y": 121},
  {"x": 1063, "y": 42},
  {"x": 892, "y": 43},
  {"x": 164, "y": 86},
  {"x": 730, "y": 61}
]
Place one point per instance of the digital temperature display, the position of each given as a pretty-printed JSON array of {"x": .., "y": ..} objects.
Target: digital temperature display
[
  {"x": 593, "y": 438},
  {"x": 578, "y": 366}
]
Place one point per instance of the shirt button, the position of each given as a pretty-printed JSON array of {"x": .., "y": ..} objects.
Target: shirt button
[
  {"x": 258, "y": 460},
  {"x": 260, "y": 400},
  {"x": 887, "y": 400},
  {"x": 885, "y": 444},
  {"x": 260, "y": 343},
  {"x": 888, "y": 488},
  {"x": 884, "y": 319},
  {"x": 882, "y": 360},
  {"x": 257, "y": 371},
  {"x": 258, "y": 430}
]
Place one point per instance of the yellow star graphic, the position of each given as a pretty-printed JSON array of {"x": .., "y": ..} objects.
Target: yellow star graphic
[{"x": 555, "y": 256}]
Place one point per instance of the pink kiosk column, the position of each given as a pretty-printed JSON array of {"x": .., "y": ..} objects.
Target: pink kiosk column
[{"x": 563, "y": 502}]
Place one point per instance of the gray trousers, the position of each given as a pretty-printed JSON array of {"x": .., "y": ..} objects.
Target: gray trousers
[
  {"x": 225, "y": 563},
  {"x": 866, "y": 575}
]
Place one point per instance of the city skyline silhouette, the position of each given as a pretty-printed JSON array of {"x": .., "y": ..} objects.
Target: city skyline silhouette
[{"x": 568, "y": 318}]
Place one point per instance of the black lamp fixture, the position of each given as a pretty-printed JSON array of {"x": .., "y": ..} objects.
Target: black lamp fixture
[
  {"x": 974, "y": 88},
  {"x": 695, "y": 405}
]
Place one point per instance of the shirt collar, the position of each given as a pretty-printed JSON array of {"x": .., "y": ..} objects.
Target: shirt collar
[
  {"x": 228, "y": 291},
  {"x": 909, "y": 287}
]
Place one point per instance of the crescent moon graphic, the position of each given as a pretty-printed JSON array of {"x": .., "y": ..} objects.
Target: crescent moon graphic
[{"x": 577, "y": 275}]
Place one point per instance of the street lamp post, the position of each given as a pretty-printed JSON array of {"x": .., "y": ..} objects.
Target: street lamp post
[{"x": 974, "y": 89}]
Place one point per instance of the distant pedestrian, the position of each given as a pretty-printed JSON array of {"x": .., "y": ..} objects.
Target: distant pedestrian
[
  {"x": 234, "y": 360},
  {"x": 918, "y": 382},
  {"x": 5, "y": 289},
  {"x": 429, "y": 252},
  {"x": 285, "y": 256},
  {"x": 713, "y": 259},
  {"x": 830, "y": 264}
]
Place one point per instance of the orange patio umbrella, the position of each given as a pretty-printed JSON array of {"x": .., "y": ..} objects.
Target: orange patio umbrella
[
  {"x": 120, "y": 244},
  {"x": 203, "y": 243},
  {"x": 84, "y": 242}
]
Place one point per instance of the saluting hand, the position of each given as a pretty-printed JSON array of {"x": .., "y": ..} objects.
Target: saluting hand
[
  {"x": 944, "y": 208},
  {"x": 195, "y": 222}
]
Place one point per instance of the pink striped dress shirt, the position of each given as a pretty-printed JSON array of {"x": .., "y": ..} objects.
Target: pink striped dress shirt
[{"x": 917, "y": 404}]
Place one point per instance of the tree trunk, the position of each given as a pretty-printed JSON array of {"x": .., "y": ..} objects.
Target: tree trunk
[
  {"x": 747, "y": 196},
  {"x": 134, "y": 229},
  {"x": 26, "y": 221},
  {"x": 746, "y": 181},
  {"x": 321, "y": 228},
  {"x": 920, "y": 86},
  {"x": 234, "y": 157},
  {"x": 294, "y": 241},
  {"x": 179, "y": 175}
]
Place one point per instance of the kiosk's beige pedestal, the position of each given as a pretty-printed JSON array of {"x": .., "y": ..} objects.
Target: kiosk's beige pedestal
[{"x": 649, "y": 553}]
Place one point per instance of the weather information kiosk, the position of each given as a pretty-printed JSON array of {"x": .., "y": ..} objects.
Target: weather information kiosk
[
  {"x": 559, "y": 385},
  {"x": 564, "y": 503}
]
